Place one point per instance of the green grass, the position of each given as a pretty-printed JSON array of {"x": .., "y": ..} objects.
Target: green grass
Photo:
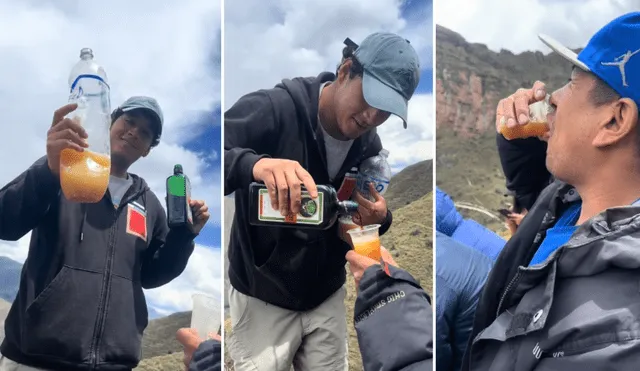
[{"x": 469, "y": 171}]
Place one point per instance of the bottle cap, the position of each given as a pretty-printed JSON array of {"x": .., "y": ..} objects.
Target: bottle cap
[
  {"x": 177, "y": 169},
  {"x": 384, "y": 152},
  {"x": 86, "y": 52}
]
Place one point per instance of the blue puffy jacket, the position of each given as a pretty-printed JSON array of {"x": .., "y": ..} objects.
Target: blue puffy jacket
[
  {"x": 469, "y": 232},
  {"x": 461, "y": 273}
]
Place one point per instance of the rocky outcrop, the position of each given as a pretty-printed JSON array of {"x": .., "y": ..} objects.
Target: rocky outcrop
[{"x": 471, "y": 79}]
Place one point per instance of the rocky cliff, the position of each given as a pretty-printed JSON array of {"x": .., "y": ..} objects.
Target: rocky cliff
[{"x": 471, "y": 79}]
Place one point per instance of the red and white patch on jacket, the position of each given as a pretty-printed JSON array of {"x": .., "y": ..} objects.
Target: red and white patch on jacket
[{"x": 136, "y": 220}]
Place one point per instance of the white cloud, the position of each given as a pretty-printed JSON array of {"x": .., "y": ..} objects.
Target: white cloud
[
  {"x": 268, "y": 41},
  {"x": 167, "y": 50},
  {"x": 416, "y": 142},
  {"x": 203, "y": 274},
  {"x": 514, "y": 25}
]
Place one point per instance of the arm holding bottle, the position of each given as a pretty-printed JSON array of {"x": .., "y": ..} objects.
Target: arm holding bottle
[
  {"x": 249, "y": 127},
  {"x": 373, "y": 212},
  {"x": 25, "y": 200},
  {"x": 170, "y": 249}
]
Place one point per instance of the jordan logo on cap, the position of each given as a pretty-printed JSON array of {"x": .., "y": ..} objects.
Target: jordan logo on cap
[{"x": 621, "y": 62}]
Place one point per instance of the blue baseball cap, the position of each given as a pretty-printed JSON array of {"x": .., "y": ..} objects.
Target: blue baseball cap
[
  {"x": 391, "y": 72},
  {"x": 612, "y": 54}
]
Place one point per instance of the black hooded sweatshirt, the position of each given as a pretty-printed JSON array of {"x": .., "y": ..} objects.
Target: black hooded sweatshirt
[
  {"x": 289, "y": 268},
  {"x": 80, "y": 305}
]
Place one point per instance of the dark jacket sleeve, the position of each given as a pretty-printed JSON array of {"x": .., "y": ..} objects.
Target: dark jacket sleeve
[
  {"x": 386, "y": 224},
  {"x": 207, "y": 357},
  {"x": 26, "y": 199},
  {"x": 249, "y": 127},
  {"x": 393, "y": 320},
  {"x": 168, "y": 253},
  {"x": 524, "y": 165}
]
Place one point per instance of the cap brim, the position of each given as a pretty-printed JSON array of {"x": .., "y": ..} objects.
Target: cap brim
[
  {"x": 157, "y": 123},
  {"x": 565, "y": 52},
  {"x": 380, "y": 96},
  {"x": 155, "y": 114}
]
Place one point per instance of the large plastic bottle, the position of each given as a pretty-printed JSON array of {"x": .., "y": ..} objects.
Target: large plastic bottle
[
  {"x": 374, "y": 170},
  {"x": 84, "y": 176}
]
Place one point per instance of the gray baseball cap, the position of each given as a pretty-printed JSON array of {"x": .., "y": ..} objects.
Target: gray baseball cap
[
  {"x": 391, "y": 72},
  {"x": 148, "y": 103}
]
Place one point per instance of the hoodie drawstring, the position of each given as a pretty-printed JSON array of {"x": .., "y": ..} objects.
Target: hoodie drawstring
[{"x": 84, "y": 220}]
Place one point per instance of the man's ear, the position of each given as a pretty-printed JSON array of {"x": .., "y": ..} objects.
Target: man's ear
[
  {"x": 618, "y": 123},
  {"x": 146, "y": 153},
  {"x": 343, "y": 71}
]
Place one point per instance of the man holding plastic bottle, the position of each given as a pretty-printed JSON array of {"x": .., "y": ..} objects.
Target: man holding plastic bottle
[
  {"x": 80, "y": 304},
  {"x": 287, "y": 294},
  {"x": 563, "y": 294}
]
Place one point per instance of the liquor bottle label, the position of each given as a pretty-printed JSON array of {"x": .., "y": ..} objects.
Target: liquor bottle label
[{"x": 311, "y": 211}]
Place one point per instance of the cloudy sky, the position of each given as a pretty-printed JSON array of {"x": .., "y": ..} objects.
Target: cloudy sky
[
  {"x": 266, "y": 41},
  {"x": 514, "y": 25},
  {"x": 169, "y": 50}
]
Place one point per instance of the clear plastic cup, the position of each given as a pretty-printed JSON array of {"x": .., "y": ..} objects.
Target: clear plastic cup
[
  {"x": 538, "y": 111},
  {"x": 346, "y": 224},
  {"x": 537, "y": 126},
  {"x": 366, "y": 241},
  {"x": 205, "y": 317}
]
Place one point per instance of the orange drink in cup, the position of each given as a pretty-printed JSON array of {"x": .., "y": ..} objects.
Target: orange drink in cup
[{"x": 366, "y": 241}]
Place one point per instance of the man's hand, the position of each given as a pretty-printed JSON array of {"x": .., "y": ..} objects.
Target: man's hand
[
  {"x": 64, "y": 133},
  {"x": 283, "y": 179},
  {"x": 201, "y": 214},
  {"x": 359, "y": 263},
  {"x": 517, "y": 218},
  {"x": 370, "y": 212},
  {"x": 514, "y": 110},
  {"x": 190, "y": 341}
]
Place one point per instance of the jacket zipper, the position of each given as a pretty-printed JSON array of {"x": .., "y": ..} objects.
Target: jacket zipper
[{"x": 106, "y": 286}]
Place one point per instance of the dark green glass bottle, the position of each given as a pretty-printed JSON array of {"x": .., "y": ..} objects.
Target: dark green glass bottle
[
  {"x": 178, "y": 196},
  {"x": 320, "y": 213}
]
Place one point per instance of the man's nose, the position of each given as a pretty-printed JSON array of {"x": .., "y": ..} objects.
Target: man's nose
[{"x": 370, "y": 115}]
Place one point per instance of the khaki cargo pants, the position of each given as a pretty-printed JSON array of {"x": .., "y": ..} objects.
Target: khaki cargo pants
[
  {"x": 270, "y": 338},
  {"x": 8, "y": 365}
]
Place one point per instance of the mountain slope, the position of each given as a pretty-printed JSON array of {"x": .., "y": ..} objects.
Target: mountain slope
[
  {"x": 160, "y": 336},
  {"x": 410, "y": 184}
]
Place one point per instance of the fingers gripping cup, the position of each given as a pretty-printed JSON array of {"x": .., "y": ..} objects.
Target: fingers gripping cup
[
  {"x": 366, "y": 241},
  {"x": 537, "y": 126},
  {"x": 205, "y": 317}
]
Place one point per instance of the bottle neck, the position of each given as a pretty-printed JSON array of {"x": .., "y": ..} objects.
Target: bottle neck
[{"x": 347, "y": 207}]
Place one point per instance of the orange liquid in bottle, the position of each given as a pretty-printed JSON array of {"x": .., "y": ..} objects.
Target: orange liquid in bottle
[
  {"x": 84, "y": 176},
  {"x": 370, "y": 248}
]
